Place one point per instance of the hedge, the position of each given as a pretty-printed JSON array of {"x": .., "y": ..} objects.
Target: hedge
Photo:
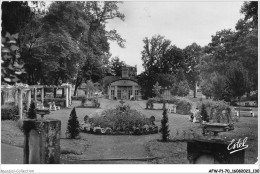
[
  {"x": 78, "y": 97},
  {"x": 183, "y": 106},
  {"x": 9, "y": 112}
]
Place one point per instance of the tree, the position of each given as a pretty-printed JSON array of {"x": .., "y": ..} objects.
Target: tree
[
  {"x": 172, "y": 61},
  {"x": 73, "y": 127},
  {"x": 161, "y": 62},
  {"x": 154, "y": 51},
  {"x": 61, "y": 49},
  {"x": 193, "y": 54},
  {"x": 146, "y": 80},
  {"x": 237, "y": 81},
  {"x": 206, "y": 88},
  {"x": 250, "y": 10},
  {"x": 24, "y": 20},
  {"x": 182, "y": 88},
  {"x": 165, "y": 126},
  {"x": 157, "y": 88},
  {"x": 219, "y": 86},
  {"x": 116, "y": 66},
  {"x": 204, "y": 113},
  {"x": 32, "y": 111},
  {"x": 96, "y": 39}
]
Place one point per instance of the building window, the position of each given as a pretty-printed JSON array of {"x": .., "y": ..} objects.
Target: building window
[
  {"x": 136, "y": 94},
  {"x": 112, "y": 94},
  {"x": 119, "y": 94},
  {"x": 130, "y": 93}
]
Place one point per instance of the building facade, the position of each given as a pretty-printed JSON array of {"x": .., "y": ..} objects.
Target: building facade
[{"x": 125, "y": 87}]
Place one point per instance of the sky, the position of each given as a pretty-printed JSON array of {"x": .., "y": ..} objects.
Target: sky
[{"x": 181, "y": 22}]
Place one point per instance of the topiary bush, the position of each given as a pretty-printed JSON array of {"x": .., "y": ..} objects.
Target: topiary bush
[
  {"x": 204, "y": 113},
  {"x": 32, "y": 111},
  {"x": 73, "y": 127},
  {"x": 165, "y": 127},
  {"x": 9, "y": 112},
  {"x": 183, "y": 107}
]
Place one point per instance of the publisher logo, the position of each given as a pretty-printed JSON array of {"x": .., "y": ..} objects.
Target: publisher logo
[{"x": 236, "y": 146}]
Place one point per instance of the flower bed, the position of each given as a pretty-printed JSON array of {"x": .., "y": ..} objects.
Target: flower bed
[{"x": 120, "y": 121}]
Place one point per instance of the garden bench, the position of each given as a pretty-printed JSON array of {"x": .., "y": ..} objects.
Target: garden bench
[
  {"x": 53, "y": 107},
  {"x": 250, "y": 110},
  {"x": 171, "y": 108}
]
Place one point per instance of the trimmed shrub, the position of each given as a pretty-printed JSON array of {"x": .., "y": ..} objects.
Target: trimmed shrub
[
  {"x": 165, "y": 126},
  {"x": 218, "y": 111},
  {"x": 183, "y": 107},
  {"x": 32, "y": 111},
  {"x": 78, "y": 97},
  {"x": 204, "y": 113},
  {"x": 8, "y": 112},
  {"x": 73, "y": 128}
]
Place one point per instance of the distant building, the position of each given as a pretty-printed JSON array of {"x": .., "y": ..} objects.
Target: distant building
[{"x": 125, "y": 87}]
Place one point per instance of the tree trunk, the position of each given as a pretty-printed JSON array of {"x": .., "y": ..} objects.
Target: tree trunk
[
  {"x": 78, "y": 83},
  {"x": 239, "y": 98},
  {"x": 195, "y": 91},
  {"x": 55, "y": 92}
]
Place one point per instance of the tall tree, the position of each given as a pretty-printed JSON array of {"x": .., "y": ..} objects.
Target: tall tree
[
  {"x": 18, "y": 18},
  {"x": 96, "y": 39},
  {"x": 193, "y": 54},
  {"x": 116, "y": 66},
  {"x": 237, "y": 81},
  {"x": 161, "y": 62},
  {"x": 250, "y": 10},
  {"x": 153, "y": 53}
]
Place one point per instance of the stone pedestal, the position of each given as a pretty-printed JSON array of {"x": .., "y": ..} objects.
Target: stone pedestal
[
  {"x": 42, "y": 141},
  {"x": 212, "y": 151}
]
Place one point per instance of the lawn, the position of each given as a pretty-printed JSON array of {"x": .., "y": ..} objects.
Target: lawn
[{"x": 91, "y": 147}]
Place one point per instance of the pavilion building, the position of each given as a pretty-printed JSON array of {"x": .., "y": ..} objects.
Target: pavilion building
[{"x": 125, "y": 87}]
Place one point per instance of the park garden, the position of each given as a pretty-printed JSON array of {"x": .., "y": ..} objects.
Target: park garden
[{"x": 196, "y": 93}]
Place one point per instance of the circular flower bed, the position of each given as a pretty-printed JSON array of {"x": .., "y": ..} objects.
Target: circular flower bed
[{"x": 120, "y": 121}]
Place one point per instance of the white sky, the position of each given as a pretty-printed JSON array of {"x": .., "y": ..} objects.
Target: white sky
[{"x": 181, "y": 22}]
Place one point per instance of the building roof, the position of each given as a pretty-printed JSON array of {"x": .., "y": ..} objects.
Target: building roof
[
  {"x": 131, "y": 79},
  {"x": 110, "y": 79}
]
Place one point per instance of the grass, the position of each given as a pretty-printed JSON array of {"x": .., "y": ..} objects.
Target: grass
[
  {"x": 93, "y": 146},
  {"x": 176, "y": 152}
]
